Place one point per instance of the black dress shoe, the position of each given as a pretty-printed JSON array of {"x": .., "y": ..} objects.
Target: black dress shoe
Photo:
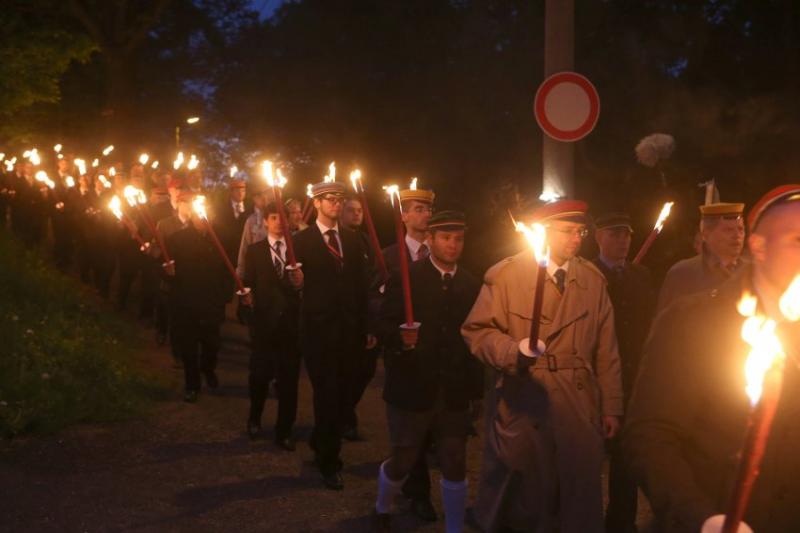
[
  {"x": 333, "y": 480},
  {"x": 190, "y": 396},
  {"x": 287, "y": 443},
  {"x": 381, "y": 522},
  {"x": 253, "y": 429},
  {"x": 211, "y": 380},
  {"x": 424, "y": 510}
]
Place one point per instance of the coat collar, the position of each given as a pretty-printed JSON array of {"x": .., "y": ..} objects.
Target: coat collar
[{"x": 573, "y": 301}]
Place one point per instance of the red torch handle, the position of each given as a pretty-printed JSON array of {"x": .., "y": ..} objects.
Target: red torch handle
[
  {"x": 287, "y": 232},
  {"x": 221, "y": 250},
  {"x": 155, "y": 232},
  {"x": 645, "y": 247},
  {"x": 306, "y": 205},
  {"x": 536, "y": 316},
  {"x": 133, "y": 231},
  {"x": 755, "y": 444},
  {"x": 404, "y": 275},
  {"x": 308, "y": 214},
  {"x": 373, "y": 237}
]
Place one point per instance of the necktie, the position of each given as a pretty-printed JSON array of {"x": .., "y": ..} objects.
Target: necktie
[
  {"x": 559, "y": 276},
  {"x": 423, "y": 252},
  {"x": 333, "y": 246},
  {"x": 278, "y": 260}
]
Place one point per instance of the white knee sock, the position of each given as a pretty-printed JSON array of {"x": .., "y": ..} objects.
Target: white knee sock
[
  {"x": 387, "y": 490},
  {"x": 454, "y": 500}
]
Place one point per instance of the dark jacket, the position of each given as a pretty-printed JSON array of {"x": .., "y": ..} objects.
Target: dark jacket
[
  {"x": 441, "y": 360},
  {"x": 198, "y": 289},
  {"x": 633, "y": 299},
  {"x": 332, "y": 295},
  {"x": 273, "y": 297},
  {"x": 689, "y": 412},
  {"x": 229, "y": 227}
]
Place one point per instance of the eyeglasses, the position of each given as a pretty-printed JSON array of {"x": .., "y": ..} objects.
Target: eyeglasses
[
  {"x": 576, "y": 232},
  {"x": 421, "y": 209},
  {"x": 334, "y": 199}
]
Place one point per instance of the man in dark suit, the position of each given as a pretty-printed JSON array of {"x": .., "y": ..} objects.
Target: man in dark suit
[
  {"x": 230, "y": 216},
  {"x": 275, "y": 300},
  {"x": 197, "y": 295},
  {"x": 416, "y": 207},
  {"x": 633, "y": 300},
  {"x": 431, "y": 378},
  {"x": 333, "y": 321},
  {"x": 690, "y": 410}
]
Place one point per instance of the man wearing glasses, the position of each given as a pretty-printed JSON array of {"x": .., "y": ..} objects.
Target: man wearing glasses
[
  {"x": 550, "y": 409},
  {"x": 333, "y": 322},
  {"x": 722, "y": 234}
]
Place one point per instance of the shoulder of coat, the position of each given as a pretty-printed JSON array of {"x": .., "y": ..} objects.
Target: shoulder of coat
[
  {"x": 592, "y": 268},
  {"x": 503, "y": 269}
]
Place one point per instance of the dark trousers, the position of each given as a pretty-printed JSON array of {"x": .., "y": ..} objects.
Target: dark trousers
[
  {"x": 622, "y": 492},
  {"x": 198, "y": 345},
  {"x": 363, "y": 369},
  {"x": 275, "y": 354},
  {"x": 328, "y": 348},
  {"x": 418, "y": 484}
]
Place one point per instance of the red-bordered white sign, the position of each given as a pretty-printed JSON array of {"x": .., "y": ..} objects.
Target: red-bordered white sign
[{"x": 567, "y": 106}]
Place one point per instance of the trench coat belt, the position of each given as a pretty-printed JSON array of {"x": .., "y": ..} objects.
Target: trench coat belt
[{"x": 554, "y": 363}]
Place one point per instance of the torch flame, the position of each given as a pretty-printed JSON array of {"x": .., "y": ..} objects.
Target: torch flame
[
  {"x": 790, "y": 301},
  {"x": 413, "y": 185},
  {"x": 41, "y": 176},
  {"x": 663, "y": 216},
  {"x": 143, "y": 159},
  {"x": 81, "y": 164},
  {"x": 108, "y": 149},
  {"x": 154, "y": 165},
  {"x": 116, "y": 207},
  {"x": 96, "y": 163},
  {"x": 330, "y": 177},
  {"x": 234, "y": 170},
  {"x": 309, "y": 188},
  {"x": 9, "y": 166},
  {"x": 393, "y": 191},
  {"x": 199, "y": 206},
  {"x": 193, "y": 162},
  {"x": 133, "y": 195},
  {"x": 536, "y": 235},
  {"x": 33, "y": 157},
  {"x": 178, "y": 161},
  {"x": 57, "y": 148},
  {"x": 2, "y": 156},
  {"x": 70, "y": 181},
  {"x": 355, "y": 176},
  {"x": 267, "y": 172},
  {"x": 112, "y": 172},
  {"x": 104, "y": 181},
  {"x": 759, "y": 332},
  {"x": 281, "y": 182}
]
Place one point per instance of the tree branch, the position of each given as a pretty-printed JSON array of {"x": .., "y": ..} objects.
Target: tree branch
[
  {"x": 139, "y": 34},
  {"x": 80, "y": 13}
]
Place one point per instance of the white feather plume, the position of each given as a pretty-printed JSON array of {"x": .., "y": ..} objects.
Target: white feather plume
[{"x": 655, "y": 148}]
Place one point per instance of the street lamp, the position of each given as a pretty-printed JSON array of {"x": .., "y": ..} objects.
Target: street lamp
[{"x": 190, "y": 121}]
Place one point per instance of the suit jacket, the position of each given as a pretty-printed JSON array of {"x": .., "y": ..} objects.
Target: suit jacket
[
  {"x": 273, "y": 297},
  {"x": 198, "y": 290},
  {"x": 440, "y": 362},
  {"x": 229, "y": 228},
  {"x": 689, "y": 412},
  {"x": 633, "y": 299},
  {"x": 331, "y": 295},
  {"x": 691, "y": 276}
]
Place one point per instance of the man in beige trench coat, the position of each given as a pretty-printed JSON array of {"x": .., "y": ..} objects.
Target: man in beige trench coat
[{"x": 546, "y": 416}]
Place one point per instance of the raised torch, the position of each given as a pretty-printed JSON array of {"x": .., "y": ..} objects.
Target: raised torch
[
  {"x": 764, "y": 377},
  {"x": 115, "y": 205},
  {"x": 394, "y": 194},
  {"x": 277, "y": 181},
  {"x": 536, "y": 236},
  {"x": 358, "y": 185},
  {"x": 199, "y": 208},
  {"x": 653, "y": 234},
  {"x": 136, "y": 198}
]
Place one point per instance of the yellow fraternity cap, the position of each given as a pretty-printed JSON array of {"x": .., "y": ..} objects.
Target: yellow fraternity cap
[
  {"x": 722, "y": 210},
  {"x": 420, "y": 195}
]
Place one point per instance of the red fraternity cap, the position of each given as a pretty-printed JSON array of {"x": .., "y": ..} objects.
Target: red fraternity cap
[
  {"x": 571, "y": 210},
  {"x": 777, "y": 196}
]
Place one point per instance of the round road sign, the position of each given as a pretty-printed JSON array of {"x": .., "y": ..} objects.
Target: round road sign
[{"x": 567, "y": 106}]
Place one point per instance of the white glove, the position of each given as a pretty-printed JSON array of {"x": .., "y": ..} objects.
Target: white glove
[{"x": 715, "y": 523}]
